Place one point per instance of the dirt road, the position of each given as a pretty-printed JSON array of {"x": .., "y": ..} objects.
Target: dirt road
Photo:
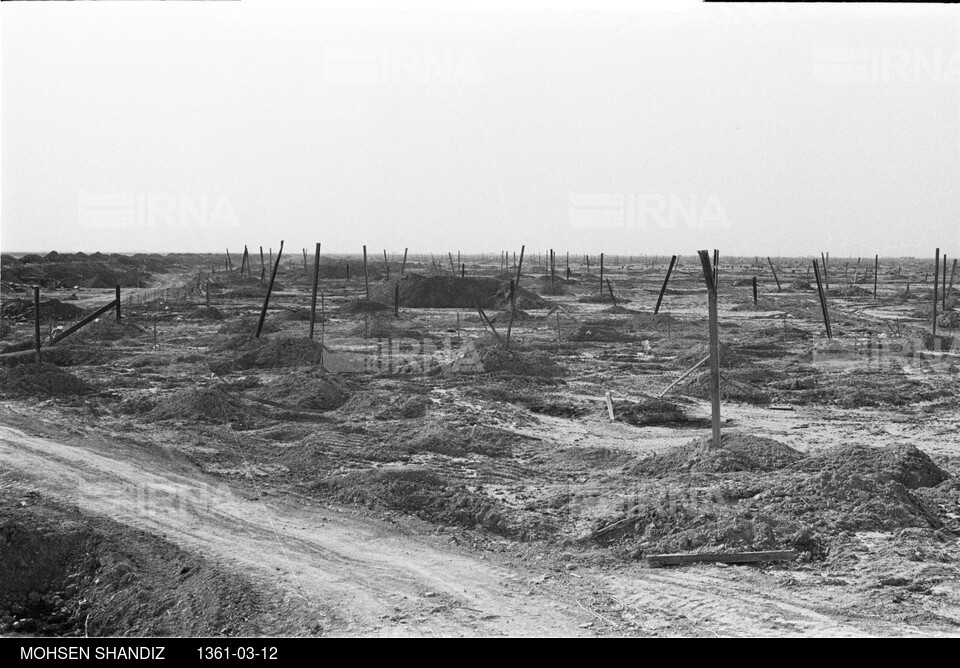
[{"x": 356, "y": 576}]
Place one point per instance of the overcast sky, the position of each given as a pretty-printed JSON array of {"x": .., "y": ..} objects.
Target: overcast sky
[{"x": 777, "y": 130}]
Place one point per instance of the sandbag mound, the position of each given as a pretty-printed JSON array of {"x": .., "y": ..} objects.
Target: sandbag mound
[
  {"x": 50, "y": 309},
  {"x": 518, "y": 361},
  {"x": 739, "y": 452},
  {"x": 316, "y": 391},
  {"x": 600, "y": 332},
  {"x": 48, "y": 380},
  {"x": 418, "y": 291},
  {"x": 419, "y": 492},
  {"x": 905, "y": 464},
  {"x": 649, "y": 411},
  {"x": 363, "y": 306}
]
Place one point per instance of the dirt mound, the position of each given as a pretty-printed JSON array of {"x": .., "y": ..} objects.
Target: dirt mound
[
  {"x": 649, "y": 411},
  {"x": 386, "y": 404},
  {"x": 204, "y": 313},
  {"x": 418, "y": 291},
  {"x": 860, "y": 389},
  {"x": 518, "y": 316},
  {"x": 317, "y": 391},
  {"x": 740, "y": 452},
  {"x": 385, "y": 328},
  {"x": 457, "y": 440},
  {"x": 107, "y": 329},
  {"x": 600, "y": 332},
  {"x": 64, "y": 574},
  {"x": 730, "y": 357},
  {"x": 949, "y": 320},
  {"x": 602, "y": 299},
  {"x": 211, "y": 404},
  {"x": 363, "y": 306},
  {"x": 252, "y": 291},
  {"x": 800, "y": 285},
  {"x": 46, "y": 381},
  {"x": 418, "y": 491},
  {"x": 735, "y": 385},
  {"x": 519, "y": 361},
  {"x": 246, "y": 326},
  {"x": 51, "y": 309},
  {"x": 246, "y": 352},
  {"x": 905, "y": 464}
]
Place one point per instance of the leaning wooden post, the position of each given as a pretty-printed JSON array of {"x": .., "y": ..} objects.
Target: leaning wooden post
[
  {"x": 663, "y": 288},
  {"x": 612, "y": 298},
  {"x": 953, "y": 273},
  {"x": 245, "y": 262},
  {"x": 366, "y": 279},
  {"x": 266, "y": 299},
  {"x": 396, "y": 299},
  {"x": 386, "y": 264},
  {"x": 520, "y": 265},
  {"x": 229, "y": 261},
  {"x": 304, "y": 259},
  {"x": 936, "y": 276},
  {"x": 716, "y": 266},
  {"x": 36, "y": 320},
  {"x": 263, "y": 267},
  {"x": 770, "y": 262},
  {"x": 943, "y": 285},
  {"x": 754, "y": 290},
  {"x": 316, "y": 277},
  {"x": 823, "y": 300},
  {"x": 118, "y": 303},
  {"x": 714, "y": 347},
  {"x": 403, "y": 267}
]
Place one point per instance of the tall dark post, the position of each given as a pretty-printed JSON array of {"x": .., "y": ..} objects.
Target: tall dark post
[
  {"x": 943, "y": 284},
  {"x": 266, "y": 299},
  {"x": 714, "y": 347},
  {"x": 118, "y": 303},
  {"x": 396, "y": 299},
  {"x": 366, "y": 279},
  {"x": 666, "y": 279},
  {"x": 263, "y": 267},
  {"x": 36, "y": 320},
  {"x": 826, "y": 279},
  {"x": 953, "y": 273},
  {"x": 936, "y": 276},
  {"x": 316, "y": 277},
  {"x": 716, "y": 266},
  {"x": 403, "y": 267},
  {"x": 754, "y": 290},
  {"x": 876, "y": 270},
  {"x": 513, "y": 307},
  {"x": 601, "y": 274}
]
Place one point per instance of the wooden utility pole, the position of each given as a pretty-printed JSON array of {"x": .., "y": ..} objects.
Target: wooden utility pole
[
  {"x": 714, "y": 347},
  {"x": 663, "y": 288},
  {"x": 316, "y": 278},
  {"x": 266, "y": 299}
]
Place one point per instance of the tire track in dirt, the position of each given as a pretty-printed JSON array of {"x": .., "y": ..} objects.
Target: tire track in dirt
[{"x": 359, "y": 576}]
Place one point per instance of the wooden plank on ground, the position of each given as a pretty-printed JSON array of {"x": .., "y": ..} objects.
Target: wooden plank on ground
[{"x": 656, "y": 560}]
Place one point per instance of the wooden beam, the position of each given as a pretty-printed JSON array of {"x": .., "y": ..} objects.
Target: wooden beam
[
  {"x": 770, "y": 262},
  {"x": 823, "y": 300},
  {"x": 655, "y": 560},
  {"x": 86, "y": 321}
]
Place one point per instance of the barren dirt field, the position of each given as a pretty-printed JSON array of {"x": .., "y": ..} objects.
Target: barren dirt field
[{"x": 413, "y": 474}]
